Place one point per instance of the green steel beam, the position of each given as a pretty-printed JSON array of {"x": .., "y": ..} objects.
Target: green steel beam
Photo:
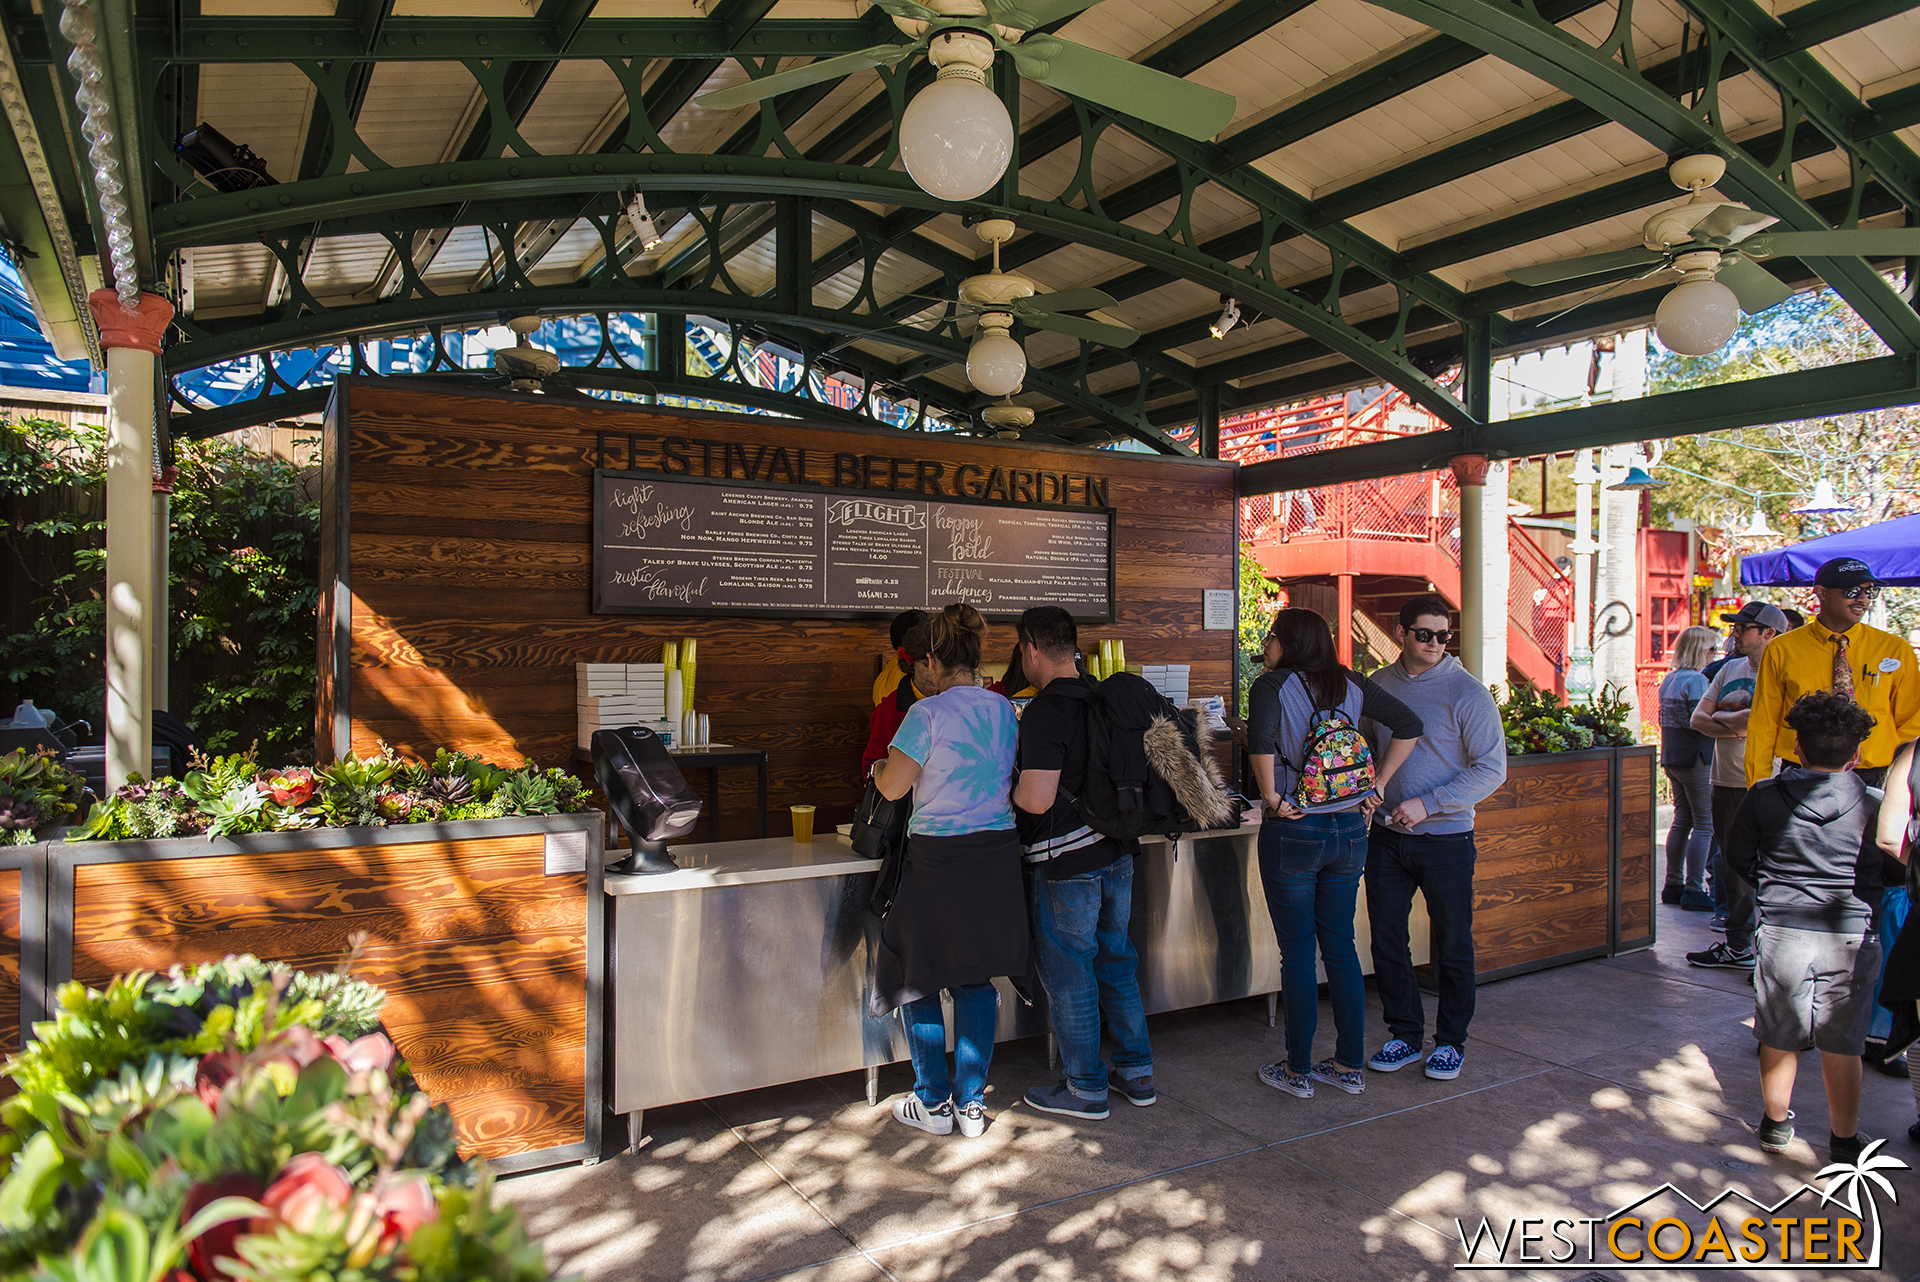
[
  {"x": 1825, "y": 20},
  {"x": 1858, "y": 386},
  {"x": 251, "y": 38},
  {"x": 1890, "y": 111},
  {"x": 1544, "y": 50},
  {"x": 1751, "y": 32}
]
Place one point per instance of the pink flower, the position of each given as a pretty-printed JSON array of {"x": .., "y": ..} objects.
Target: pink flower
[
  {"x": 296, "y": 1047},
  {"x": 213, "y": 1074},
  {"x": 403, "y": 1203},
  {"x": 290, "y": 787},
  {"x": 306, "y": 1192},
  {"x": 363, "y": 1054},
  {"x": 217, "y": 1242}
]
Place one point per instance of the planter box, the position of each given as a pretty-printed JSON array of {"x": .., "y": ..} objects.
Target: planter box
[
  {"x": 479, "y": 931},
  {"x": 1565, "y": 861}
]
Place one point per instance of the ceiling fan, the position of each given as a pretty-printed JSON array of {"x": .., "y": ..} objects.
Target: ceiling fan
[
  {"x": 996, "y": 363},
  {"x": 956, "y": 137},
  {"x": 526, "y": 368},
  {"x": 1714, "y": 243}
]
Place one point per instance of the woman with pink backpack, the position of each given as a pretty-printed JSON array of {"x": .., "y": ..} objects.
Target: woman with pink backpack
[{"x": 1319, "y": 785}]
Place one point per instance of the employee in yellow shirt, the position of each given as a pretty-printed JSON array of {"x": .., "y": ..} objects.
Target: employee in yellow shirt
[
  {"x": 1836, "y": 652},
  {"x": 898, "y": 664}
]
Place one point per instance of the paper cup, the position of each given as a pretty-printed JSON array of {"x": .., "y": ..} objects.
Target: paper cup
[{"x": 802, "y": 823}]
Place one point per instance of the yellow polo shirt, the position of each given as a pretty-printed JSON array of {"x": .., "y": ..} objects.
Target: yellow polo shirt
[
  {"x": 888, "y": 681},
  {"x": 1885, "y": 682}
]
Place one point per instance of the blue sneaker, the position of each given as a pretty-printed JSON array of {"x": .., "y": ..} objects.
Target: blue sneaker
[
  {"x": 1394, "y": 1056},
  {"x": 1445, "y": 1062},
  {"x": 1059, "y": 1098},
  {"x": 1282, "y": 1078},
  {"x": 1352, "y": 1081},
  {"x": 1138, "y": 1090}
]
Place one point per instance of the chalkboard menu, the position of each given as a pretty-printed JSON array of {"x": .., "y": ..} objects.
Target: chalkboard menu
[{"x": 700, "y": 547}]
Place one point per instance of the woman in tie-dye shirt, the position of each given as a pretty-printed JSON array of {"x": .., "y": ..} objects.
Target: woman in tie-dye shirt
[{"x": 960, "y": 916}]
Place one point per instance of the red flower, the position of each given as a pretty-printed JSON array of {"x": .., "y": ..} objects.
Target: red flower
[
  {"x": 217, "y": 1242},
  {"x": 403, "y": 1203},
  {"x": 291, "y": 787},
  {"x": 307, "y": 1190},
  {"x": 213, "y": 1074}
]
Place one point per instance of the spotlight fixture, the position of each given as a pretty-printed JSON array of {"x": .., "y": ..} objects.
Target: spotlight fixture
[
  {"x": 996, "y": 364},
  {"x": 641, "y": 221},
  {"x": 1229, "y": 316},
  {"x": 227, "y": 165}
]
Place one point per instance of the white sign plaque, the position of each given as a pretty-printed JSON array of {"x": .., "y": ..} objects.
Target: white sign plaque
[{"x": 1216, "y": 614}]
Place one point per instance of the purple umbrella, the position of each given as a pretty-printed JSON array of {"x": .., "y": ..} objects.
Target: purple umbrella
[{"x": 1891, "y": 549}]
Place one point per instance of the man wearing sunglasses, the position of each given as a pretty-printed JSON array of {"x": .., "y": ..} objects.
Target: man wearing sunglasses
[
  {"x": 1422, "y": 839},
  {"x": 1836, "y": 652}
]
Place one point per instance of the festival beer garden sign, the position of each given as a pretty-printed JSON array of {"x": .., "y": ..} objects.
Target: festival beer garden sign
[{"x": 668, "y": 541}]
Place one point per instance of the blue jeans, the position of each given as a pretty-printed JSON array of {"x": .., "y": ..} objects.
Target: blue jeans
[
  {"x": 1691, "y": 836},
  {"x": 975, "y": 1008},
  {"x": 1311, "y": 869},
  {"x": 1087, "y": 963},
  {"x": 1440, "y": 866},
  {"x": 1895, "y": 904}
]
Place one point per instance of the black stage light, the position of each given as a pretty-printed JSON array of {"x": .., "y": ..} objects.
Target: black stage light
[{"x": 225, "y": 164}]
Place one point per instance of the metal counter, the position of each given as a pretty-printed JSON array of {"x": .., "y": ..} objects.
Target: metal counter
[{"x": 750, "y": 967}]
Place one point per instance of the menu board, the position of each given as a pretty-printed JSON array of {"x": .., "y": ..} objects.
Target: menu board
[{"x": 696, "y": 547}]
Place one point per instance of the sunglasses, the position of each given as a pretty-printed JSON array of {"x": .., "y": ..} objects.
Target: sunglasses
[
  {"x": 1865, "y": 592},
  {"x": 1427, "y": 636}
]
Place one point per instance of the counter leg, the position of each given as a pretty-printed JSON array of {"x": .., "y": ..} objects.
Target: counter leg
[
  {"x": 636, "y": 1129},
  {"x": 873, "y": 1083},
  {"x": 1273, "y": 1009},
  {"x": 713, "y": 790}
]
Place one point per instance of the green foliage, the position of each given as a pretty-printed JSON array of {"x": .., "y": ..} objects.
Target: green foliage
[
  {"x": 312, "y": 1157},
  {"x": 1536, "y": 721},
  {"x": 36, "y": 792},
  {"x": 244, "y": 560},
  {"x": 1259, "y": 598}
]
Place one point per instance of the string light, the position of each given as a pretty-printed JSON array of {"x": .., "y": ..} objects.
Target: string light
[
  {"x": 13, "y": 103},
  {"x": 96, "y": 106}
]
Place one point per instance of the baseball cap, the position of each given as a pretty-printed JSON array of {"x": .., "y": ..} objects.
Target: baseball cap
[
  {"x": 1767, "y": 616},
  {"x": 1843, "y": 572}
]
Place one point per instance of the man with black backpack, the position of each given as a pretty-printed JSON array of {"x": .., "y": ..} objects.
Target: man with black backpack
[{"x": 1080, "y": 882}]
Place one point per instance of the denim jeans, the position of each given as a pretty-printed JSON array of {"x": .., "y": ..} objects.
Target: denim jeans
[
  {"x": 1087, "y": 963},
  {"x": 1692, "y": 833},
  {"x": 1440, "y": 866},
  {"x": 1310, "y": 868},
  {"x": 1743, "y": 910},
  {"x": 975, "y": 1008},
  {"x": 1895, "y": 905}
]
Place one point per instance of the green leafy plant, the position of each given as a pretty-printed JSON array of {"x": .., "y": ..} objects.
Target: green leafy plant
[
  {"x": 36, "y": 792},
  {"x": 243, "y": 571},
  {"x": 1536, "y": 721},
  {"x": 275, "y": 1154}
]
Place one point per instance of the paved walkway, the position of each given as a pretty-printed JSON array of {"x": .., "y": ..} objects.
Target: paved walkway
[{"x": 1584, "y": 1087}]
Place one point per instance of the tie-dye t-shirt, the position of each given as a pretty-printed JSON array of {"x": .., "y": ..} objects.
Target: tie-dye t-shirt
[{"x": 964, "y": 740}]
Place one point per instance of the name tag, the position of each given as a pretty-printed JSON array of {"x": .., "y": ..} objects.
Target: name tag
[{"x": 1889, "y": 664}]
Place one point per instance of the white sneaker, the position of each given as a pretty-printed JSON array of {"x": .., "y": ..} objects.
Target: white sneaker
[
  {"x": 937, "y": 1120},
  {"x": 973, "y": 1120}
]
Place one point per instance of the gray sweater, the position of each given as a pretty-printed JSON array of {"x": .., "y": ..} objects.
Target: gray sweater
[{"x": 1460, "y": 759}]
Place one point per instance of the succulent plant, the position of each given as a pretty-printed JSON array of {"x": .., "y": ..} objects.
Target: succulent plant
[
  {"x": 17, "y": 813},
  {"x": 289, "y": 787},
  {"x": 394, "y": 806}
]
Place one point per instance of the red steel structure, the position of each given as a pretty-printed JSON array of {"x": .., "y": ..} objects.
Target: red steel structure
[{"x": 1359, "y": 550}]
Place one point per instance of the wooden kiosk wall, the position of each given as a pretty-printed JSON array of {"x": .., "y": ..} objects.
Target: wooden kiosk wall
[{"x": 456, "y": 555}]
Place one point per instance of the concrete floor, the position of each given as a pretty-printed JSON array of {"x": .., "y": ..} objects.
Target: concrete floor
[{"x": 1584, "y": 1088}]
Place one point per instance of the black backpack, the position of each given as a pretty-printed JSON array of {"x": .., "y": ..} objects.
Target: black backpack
[{"x": 1146, "y": 772}]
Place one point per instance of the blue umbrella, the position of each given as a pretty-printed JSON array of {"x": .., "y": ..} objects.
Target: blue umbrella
[{"x": 1891, "y": 550}]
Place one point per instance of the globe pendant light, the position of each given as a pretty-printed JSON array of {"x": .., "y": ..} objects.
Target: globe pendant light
[
  {"x": 956, "y": 136},
  {"x": 995, "y": 363},
  {"x": 1824, "y": 501},
  {"x": 1698, "y": 315}
]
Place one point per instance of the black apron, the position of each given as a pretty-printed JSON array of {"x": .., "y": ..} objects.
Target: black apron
[{"x": 959, "y": 917}]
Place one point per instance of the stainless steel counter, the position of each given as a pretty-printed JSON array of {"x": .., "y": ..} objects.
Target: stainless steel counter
[{"x": 750, "y": 966}]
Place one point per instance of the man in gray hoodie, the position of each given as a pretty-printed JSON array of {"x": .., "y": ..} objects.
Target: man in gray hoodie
[{"x": 1422, "y": 839}]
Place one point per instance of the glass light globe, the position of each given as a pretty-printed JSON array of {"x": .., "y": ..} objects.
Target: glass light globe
[
  {"x": 996, "y": 364},
  {"x": 956, "y": 138},
  {"x": 1697, "y": 317}
]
